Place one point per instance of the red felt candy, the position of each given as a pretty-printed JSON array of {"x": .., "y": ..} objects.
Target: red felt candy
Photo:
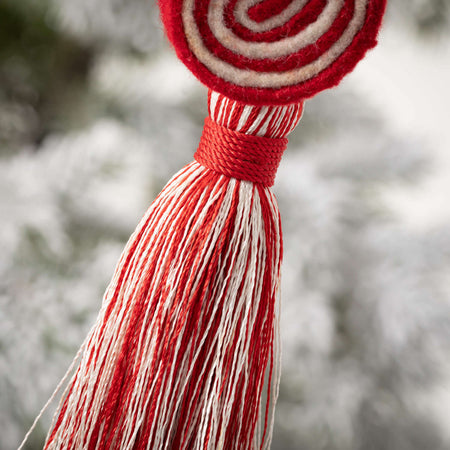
[{"x": 271, "y": 51}]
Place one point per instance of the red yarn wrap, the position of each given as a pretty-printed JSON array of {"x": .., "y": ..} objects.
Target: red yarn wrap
[{"x": 239, "y": 155}]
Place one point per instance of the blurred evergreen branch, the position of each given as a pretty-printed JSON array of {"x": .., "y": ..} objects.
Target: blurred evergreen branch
[
  {"x": 42, "y": 72},
  {"x": 429, "y": 18}
]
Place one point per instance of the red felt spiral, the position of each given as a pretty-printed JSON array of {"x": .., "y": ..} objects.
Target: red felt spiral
[{"x": 271, "y": 51}]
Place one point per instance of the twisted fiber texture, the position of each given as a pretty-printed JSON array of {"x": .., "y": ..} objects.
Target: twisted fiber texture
[
  {"x": 188, "y": 329},
  {"x": 239, "y": 155},
  {"x": 271, "y": 51},
  {"x": 185, "y": 352},
  {"x": 267, "y": 121},
  {"x": 243, "y": 141}
]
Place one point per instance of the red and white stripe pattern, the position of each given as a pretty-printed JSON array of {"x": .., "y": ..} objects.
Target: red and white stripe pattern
[
  {"x": 186, "y": 345},
  {"x": 265, "y": 121},
  {"x": 271, "y": 51}
]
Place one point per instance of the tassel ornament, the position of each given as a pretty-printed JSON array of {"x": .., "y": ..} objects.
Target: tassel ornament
[
  {"x": 185, "y": 353},
  {"x": 187, "y": 338}
]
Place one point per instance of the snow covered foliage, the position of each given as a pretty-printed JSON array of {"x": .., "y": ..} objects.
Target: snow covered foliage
[
  {"x": 365, "y": 301},
  {"x": 96, "y": 114}
]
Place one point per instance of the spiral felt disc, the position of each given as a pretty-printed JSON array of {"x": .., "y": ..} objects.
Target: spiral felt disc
[{"x": 271, "y": 51}]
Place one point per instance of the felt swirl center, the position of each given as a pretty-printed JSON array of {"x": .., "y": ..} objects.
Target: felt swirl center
[{"x": 277, "y": 50}]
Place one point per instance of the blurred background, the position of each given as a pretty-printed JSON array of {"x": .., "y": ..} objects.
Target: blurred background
[{"x": 96, "y": 114}]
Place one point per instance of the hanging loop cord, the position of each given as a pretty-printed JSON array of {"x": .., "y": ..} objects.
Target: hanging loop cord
[{"x": 239, "y": 155}]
